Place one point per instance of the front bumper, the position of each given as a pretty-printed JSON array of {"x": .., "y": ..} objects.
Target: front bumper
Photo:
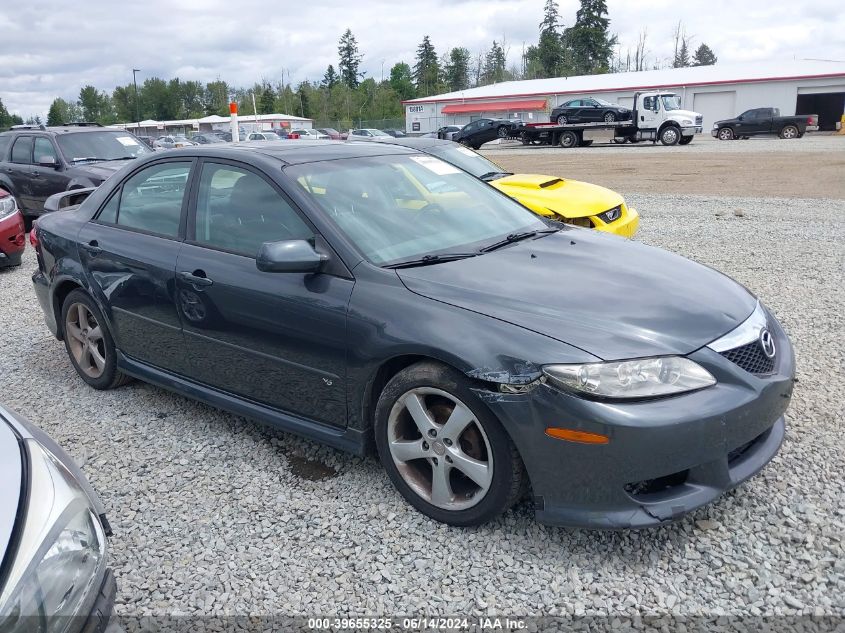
[
  {"x": 626, "y": 225},
  {"x": 41, "y": 285},
  {"x": 665, "y": 458},
  {"x": 10, "y": 259},
  {"x": 692, "y": 130}
]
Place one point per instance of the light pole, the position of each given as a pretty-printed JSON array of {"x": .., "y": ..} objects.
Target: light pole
[{"x": 135, "y": 71}]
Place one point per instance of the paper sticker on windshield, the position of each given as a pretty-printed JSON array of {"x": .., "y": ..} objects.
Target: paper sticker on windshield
[
  {"x": 436, "y": 165},
  {"x": 468, "y": 152},
  {"x": 128, "y": 141}
]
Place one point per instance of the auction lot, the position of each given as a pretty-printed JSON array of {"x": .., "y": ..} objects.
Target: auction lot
[{"x": 216, "y": 514}]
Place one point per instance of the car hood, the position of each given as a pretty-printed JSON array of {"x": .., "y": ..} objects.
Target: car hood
[
  {"x": 683, "y": 114},
  {"x": 10, "y": 483},
  {"x": 103, "y": 169},
  {"x": 611, "y": 297},
  {"x": 567, "y": 198}
]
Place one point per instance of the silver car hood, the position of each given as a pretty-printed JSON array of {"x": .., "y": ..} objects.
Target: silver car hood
[{"x": 11, "y": 471}]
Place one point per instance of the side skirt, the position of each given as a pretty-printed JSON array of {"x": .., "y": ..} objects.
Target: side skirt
[{"x": 348, "y": 439}]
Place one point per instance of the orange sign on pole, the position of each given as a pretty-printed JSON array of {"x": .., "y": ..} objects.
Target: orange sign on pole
[{"x": 233, "y": 108}]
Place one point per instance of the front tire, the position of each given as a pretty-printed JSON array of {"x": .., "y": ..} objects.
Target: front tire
[
  {"x": 442, "y": 448},
  {"x": 502, "y": 132},
  {"x": 610, "y": 117},
  {"x": 89, "y": 342},
  {"x": 562, "y": 120},
  {"x": 789, "y": 132},
  {"x": 670, "y": 135},
  {"x": 725, "y": 134}
]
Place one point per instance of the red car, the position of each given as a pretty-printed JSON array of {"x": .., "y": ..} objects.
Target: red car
[{"x": 12, "y": 231}]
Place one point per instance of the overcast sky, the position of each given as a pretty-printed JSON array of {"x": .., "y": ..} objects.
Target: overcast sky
[{"x": 51, "y": 48}]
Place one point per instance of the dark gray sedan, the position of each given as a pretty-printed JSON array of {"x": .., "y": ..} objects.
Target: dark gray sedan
[
  {"x": 363, "y": 292},
  {"x": 53, "y": 530}
]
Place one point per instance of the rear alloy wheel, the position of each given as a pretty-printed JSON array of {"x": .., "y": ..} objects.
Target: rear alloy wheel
[
  {"x": 464, "y": 142},
  {"x": 789, "y": 132},
  {"x": 610, "y": 117},
  {"x": 443, "y": 450},
  {"x": 568, "y": 139},
  {"x": 502, "y": 132},
  {"x": 670, "y": 135},
  {"x": 561, "y": 119},
  {"x": 726, "y": 134},
  {"x": 89, "y": 343}
]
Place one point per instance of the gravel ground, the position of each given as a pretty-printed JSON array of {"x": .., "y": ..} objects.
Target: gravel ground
[{"x": 215, "y": 514}]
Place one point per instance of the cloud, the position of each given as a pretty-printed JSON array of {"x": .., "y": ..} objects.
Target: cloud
[{"x": 52, "y": 48}]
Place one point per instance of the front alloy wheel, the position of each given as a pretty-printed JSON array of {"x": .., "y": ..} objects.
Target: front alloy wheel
[
  {"x": 726, "y": 134},
  {"x": 610, "y": 117},
  {"x": 443, "y": 449}
]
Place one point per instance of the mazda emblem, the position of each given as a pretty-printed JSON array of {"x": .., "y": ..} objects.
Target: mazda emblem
[{"x": 767, "y": 342}]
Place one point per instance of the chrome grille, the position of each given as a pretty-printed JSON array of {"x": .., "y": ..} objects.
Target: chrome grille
[{"x": 699, "y": 120}]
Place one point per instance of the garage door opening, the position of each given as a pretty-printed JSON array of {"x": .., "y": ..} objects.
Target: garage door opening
[{"x": 829, "y": 106}]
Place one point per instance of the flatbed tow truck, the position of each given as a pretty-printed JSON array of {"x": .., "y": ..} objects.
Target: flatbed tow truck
[{"x": 657, "y": 116}]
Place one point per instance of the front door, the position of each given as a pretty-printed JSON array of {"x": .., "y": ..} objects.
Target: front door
[
  {"x": 19, "y": 172},
  {"x": 46, "y": 180},
  {"x": 649, "y": 113},
  {"x": 129, "y": 250},
  {"x": 275, "y": 338}
]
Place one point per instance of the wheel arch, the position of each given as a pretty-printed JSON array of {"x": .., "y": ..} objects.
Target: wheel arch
[{"x": 61, "y": 289}]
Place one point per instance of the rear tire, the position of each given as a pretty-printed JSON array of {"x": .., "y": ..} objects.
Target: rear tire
[
  {"x": 426, "y": 450},
  {"x": 568, "y": 139},
  {"x": 561, "y": 119},
  {"x": 725, "y": 134},
  {"x": 464, "y": 142},
  {"x": 789, "y": 132},
  {"x": 89, "y": 342},
  {"x": 610, "y": 117}
]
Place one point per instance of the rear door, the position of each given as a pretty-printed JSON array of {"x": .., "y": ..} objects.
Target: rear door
[
  {"x": 19, "y": 172},
  {"x": 129, "y": 252},
  {"x": 274, "y": 338}
]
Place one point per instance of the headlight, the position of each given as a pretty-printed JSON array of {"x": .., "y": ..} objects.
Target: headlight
[
  {"x": 640, "y": 378},
  {"x": 61, "y": 554},
  {"x": 686, "y": 121},
  {"x": 7, "y": 207},
  {"x": 611, "y": 215}
]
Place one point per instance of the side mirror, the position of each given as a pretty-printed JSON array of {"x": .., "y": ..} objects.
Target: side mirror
[
  {"x": 289, "y": 256},
  {"x": 740, "y": 118},
  {"x": 48, "y": 161}
]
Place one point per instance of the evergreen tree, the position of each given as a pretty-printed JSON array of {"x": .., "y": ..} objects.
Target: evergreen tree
[
  {"x": 589, "y": 40},
  {"x": 550, "y": 50},
  {"x": 704, "y": 56},
  {"x": 427, "y": 68},
  {"x": 402, "y": 81},
  {"x": 215, "y": 98},
  {"x": 350, "y": 59},
  {"x": 58, "y": 113},
  {"x": 680, "y": 58},
  {"x": 494, "y": 65},
  {"x": 457, "y": 69},
  {"x": 303, "y": 108},
  {"x": 267, "y": 100},
  {"x": 330, "y": 79}
]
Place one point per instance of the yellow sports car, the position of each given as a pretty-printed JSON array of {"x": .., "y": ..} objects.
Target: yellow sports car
[{"x": 569, "y": 201}]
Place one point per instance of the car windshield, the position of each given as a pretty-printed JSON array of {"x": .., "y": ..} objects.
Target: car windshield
[
  {"x": 671, "y": 102},
  {"x": 375, "y": 132},
  {"x": 100, "y": 145},
  {"x": 467, "y": 160},
  {"x": 403, "y": 208}
]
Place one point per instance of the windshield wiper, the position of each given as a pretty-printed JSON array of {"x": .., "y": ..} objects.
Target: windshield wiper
[
  {"x": 89, "y": 158},
  {"x": 515, "y": 237},
  {"x": 428, "y": 260},
  {"x": 123, "y": 158},
  {"x": 494, "y": 175}
]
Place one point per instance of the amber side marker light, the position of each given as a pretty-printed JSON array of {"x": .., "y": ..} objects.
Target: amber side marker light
[{"x": 582, "y": 437}]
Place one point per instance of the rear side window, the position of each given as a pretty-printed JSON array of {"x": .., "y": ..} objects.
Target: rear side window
[
  {"x": 151, "y": 200},
  {"x": 22, "y": 150},
  {"x": 237, "y": 211}
]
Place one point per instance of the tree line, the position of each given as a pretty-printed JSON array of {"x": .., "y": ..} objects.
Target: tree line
[{"x": 345, "y": 94}]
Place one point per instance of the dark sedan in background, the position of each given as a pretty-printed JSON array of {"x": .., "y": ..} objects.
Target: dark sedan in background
[
  {"x": 359, "y": 291},
  {"x": 53, "y": 538},
  {"x": 589, "y": 110},
  {"x": 480, "y": 131}
]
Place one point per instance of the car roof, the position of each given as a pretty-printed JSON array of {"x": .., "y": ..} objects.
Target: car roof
[
  {"x": 63, "y": 129},
  {"x": 293, "y": 153}
]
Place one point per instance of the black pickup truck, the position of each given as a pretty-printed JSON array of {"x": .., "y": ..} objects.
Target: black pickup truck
[{"x": 765, "y": 121}]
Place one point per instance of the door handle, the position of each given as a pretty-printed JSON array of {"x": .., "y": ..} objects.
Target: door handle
[
  {"x": 35, "y": 174},
  {"x": 93, "y": 247},
  {"x": 197, "y": 278}
]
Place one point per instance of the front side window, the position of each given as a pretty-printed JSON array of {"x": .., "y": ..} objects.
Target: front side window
[
  {"x": 44, "y": 149},
  {"x": 151, "y": 200},
  {"x": 237, "y": 211},
  {"x": 103, "y": 145},
  {"x": 650, "y": 103},
  {"x": 403, "y": 207},
  {"x": 22, "y": 150}
]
